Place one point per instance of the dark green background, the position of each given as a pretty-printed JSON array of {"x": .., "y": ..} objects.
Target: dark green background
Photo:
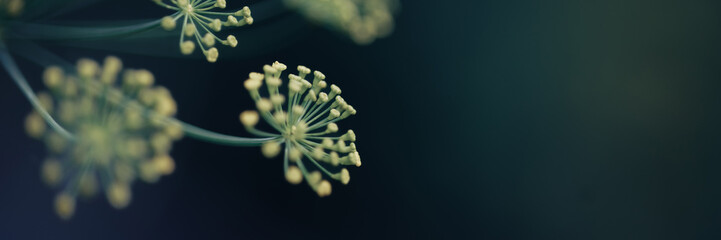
[{"x": 477, "y": 120}]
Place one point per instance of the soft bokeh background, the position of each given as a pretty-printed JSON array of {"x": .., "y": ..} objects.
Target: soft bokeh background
[{"x": 477, "y": 120}]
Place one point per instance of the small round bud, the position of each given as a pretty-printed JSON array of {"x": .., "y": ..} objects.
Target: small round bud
[
  {"x": 264, "y": 105},
  {"x": 161, "y": 143},
  {"x": 88, "y": 185},
  {"x": 232, "y": 41},
  {"x": 164, "y": 164},
  {"x": 111, "y": 67},
  {"x": 357, "y": 159},
  {"x": 318, "y": 152},
  {"x": 52, "y": 172},
  {"x": 187, "y": 47},
  {"x": 306, "y": 84},
  {"x": 232, "y": 20},
  {"x": 209, "y": 39},
  {"x": 174, "y": 130},
  {"x": 295, "y": 86},
  {"x": 35, "y": 125},
  {"x": 256, "y": 76},
  {"x": 327, "y": 143},
  {"x": 323, "y": 97},
  {"x": 270, "y": 149},
  {"x": 189, "y": 30},
  {"x": 352, "y": 147},
  {"x": 144, "y": 77},
  {"x": 252, "y": 84},
  {"x": 344, "y": 176},
  {"x": 295, "y": 154},
  {"x": 333, "y": 158},
  {"x": 148, "y": 172},
  {"x": 216, "y": 25},
  {"x": 168, "y": 23},
  {"x": 15, "y": 7},
  {"x": 277, "y": 99},
  {"x": 349, "y": 136},
  {"x": 333, "y": 114},
  {"x": 319, "y": 75},
  {"x": 249, "y": 118},
  {"x": 245, "y": 12},
  {"x": 311, "y": 96},
  {"x": 294, "y": 77},
  {"x": 269, "y": 70},
  {"x": 298, "y": 110},
  {"x": 165, "y": 105},
  {"x": 53, "y": 76},
  {"x": 65, "y": 205},
  {"x": 303, "y": 70},
  {"x": 273, "y": 82},
  {"x": 279, "y": 66},
  {"x": 220, "y": 3},
  {"x": 119, "y": 195},
  {"x": 335, "y": 89},
  {"x": 324, "y": 188},
  {"x": 87, "y": 68},
  {"x": 331, "y": 128},
  {"x": 349, "y": 111},
  {"x": 340, "y": 101},
  {"x": 314, "y": 178},
  {"x": 294, "y": 175},
  {"x": 248, "y": 20},
  {"x": 212, "y": 55},
  {"x": 280, "y": 117}
]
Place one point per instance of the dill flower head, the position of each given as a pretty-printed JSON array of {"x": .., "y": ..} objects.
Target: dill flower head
[
  {"x": 200, "y": 21},
  {"x": 120, "y": 131},
  {"x": 363, "y": 20},
  {"x": 11, "y": 8},
  {"x": 305, "y": 121}
]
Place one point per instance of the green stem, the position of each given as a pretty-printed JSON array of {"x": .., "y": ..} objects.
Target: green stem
[
  {"x": 16, "y": 75},
  {"x": 35, "y": 31}
]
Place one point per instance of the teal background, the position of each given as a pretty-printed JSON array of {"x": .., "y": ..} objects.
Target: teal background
[{"x": 477, "y": 120}]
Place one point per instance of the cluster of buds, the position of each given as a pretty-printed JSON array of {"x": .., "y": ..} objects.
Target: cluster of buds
[
  {"x": 305, "y": 121},
  {"x": 121, "y": 132},
  {"x": 201, "y": 22},
  {"x": 363, "y": 21}
]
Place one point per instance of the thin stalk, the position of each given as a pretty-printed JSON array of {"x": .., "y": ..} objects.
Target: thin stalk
[{"x": 19, "y": 79}]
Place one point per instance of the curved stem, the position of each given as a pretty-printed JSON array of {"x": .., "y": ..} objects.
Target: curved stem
[
  {"x": 213, "y": 137},
  {"x": 16, "y": 75},
  {"x": 34, "y": 31}
]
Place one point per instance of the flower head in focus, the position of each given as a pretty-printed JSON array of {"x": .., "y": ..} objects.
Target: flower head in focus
[
  {"x": 121, "y": 133},
  {"x": 305, "y": 119},
  {"x": 200, "y": 22}
]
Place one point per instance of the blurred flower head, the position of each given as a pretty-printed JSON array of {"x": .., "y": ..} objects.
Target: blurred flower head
[
  {"x": 121, "y": 131},
  {"x": 305, "y": 119},
  {"x": 362, "y": 20},
  {"x": 11, "y": 8}
]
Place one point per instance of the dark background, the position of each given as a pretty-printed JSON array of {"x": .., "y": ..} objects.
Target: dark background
[{"x": 477, "y": 120}]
